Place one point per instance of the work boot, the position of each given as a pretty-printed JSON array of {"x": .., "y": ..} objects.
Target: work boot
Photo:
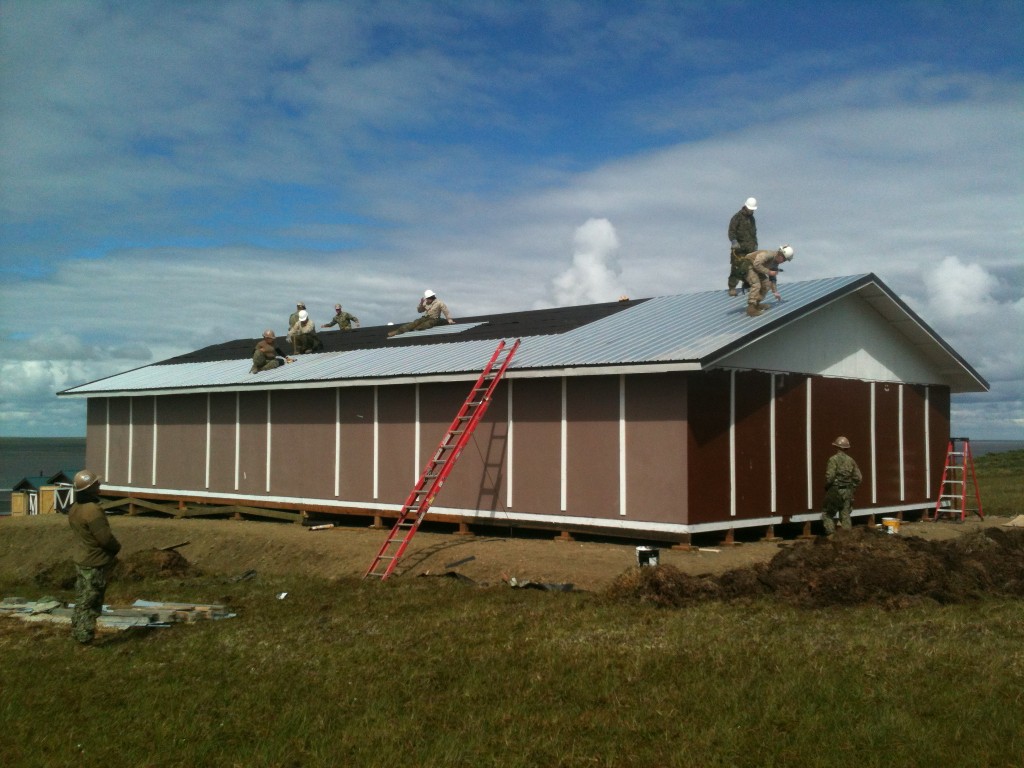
[
  {"x": 763, "y": 307},
  {"x": 733, "y": 292},
  {"x": 753, "y": 311}
]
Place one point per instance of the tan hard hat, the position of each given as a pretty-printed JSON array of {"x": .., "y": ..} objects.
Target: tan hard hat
[
  {"x": 841, "y": 442},
  {"x": 85, "y": 479}
]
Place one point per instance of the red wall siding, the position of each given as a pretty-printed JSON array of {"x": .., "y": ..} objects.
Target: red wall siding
[
  {"x": 753, "y": 444},
  {"x": 302, "y": 443},
  {"x": 222, "y": 441},
  {"x": 181, "y": 442},
  {"x": 913, "y": 443},
  {"x": 840, "y": 407},
  {"x": 938, "y": 434},
  {"x": 708, "y": 446},
  {"x": 252, "y": 443},
  {"x": 887, "y": 448},
  {"x": 536, "y": 458},
  {"x": 96, "y": 435},
  {"x": 790, "y": 444},
  {"x": 592, "y": 463},
  {"x": 398, "y": 470},
  {"x": 117, "y": 472},
  {"x": 656, "y": 442},
  {"x": 142, "y": 441},
  {"x": 356, "y": 470}
]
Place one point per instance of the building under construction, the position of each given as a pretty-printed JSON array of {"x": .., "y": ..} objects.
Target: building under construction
[{"x": 654, "y": 418}]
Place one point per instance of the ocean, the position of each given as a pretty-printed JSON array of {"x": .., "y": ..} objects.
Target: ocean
[{"x": 22, "y": 457}]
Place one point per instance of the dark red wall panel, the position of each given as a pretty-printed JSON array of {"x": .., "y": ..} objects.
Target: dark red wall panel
[
  {"x": 708, "y": 446},
  {"x": 536, "y": 457},
  {"x": 592, "y": 464}
]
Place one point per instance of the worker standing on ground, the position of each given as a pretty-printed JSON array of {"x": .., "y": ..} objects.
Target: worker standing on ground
[
  {"x": 96, "y": 550},
  {"x": 266, "y": 355},
  {"x": 842, "y": 476},
  {"x": 742, "y": 240},
  {"x": 761, "y": 267},
  {"x": 432, "y": 309},
  {"x": 342, "y": 319}
]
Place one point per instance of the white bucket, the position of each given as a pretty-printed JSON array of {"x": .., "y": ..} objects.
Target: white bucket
[{"x": 891, "y": 525}]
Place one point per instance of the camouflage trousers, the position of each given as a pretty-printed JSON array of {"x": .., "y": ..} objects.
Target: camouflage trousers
[
  {"x": 419, "y": 324},
  {"x": 90, "y": 587},
  {"x": 837, "y": 501}
]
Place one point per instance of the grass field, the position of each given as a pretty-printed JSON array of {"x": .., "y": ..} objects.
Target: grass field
[{"x": 434, "y": 672}]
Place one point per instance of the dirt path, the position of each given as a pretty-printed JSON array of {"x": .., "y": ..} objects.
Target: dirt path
[{"x": 232, "y": 547}]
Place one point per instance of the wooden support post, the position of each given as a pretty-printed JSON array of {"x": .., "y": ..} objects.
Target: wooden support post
[
  {"x": 730, "y": 539},
  {"x": 684, "y": 544},
  {"x": 564, "y": 536},
  {"x": 807, "y": 531},
  {"x": 378, "y": 522},
  {"x": 463, "y": 529},
  {"x": 131, "y": 508},
  {"x": 871, "y": 520},
  {"x": 769, "y": 534}
]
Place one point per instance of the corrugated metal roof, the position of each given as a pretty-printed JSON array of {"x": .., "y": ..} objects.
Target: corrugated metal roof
[{"x": 690, "y": 328}]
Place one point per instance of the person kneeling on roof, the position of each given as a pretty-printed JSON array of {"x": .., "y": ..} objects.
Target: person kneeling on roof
[
  {"x": 303, "y": 335},
  {"x": 761, "y": 267},
  {"x": 432, "y": 309},
  {"x": 267, "y": 355}
]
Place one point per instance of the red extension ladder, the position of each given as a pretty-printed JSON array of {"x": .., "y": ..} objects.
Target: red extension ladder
[
  {"x": 953, "y": 495},
  {"x": 442, "y": 462}
]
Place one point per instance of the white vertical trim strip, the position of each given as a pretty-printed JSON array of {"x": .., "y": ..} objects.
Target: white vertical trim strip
[
  {"x": 809, "y": 447},
  {"x": 510, "y": 442},
  {"x": 903, "y": 490},
  {"x": 927, "y": 447},
  {"x": 732, "y": 443},
  {"x": 131, "y": 435},
  {"x": 416, "y": 433},
  {"x": 269, "y": 441},
  {"x": 564, "y": 448},
  {"x": 622, "y": 444},
  {"x": 156, "y": 427},
  {"x": 106, "y": 448},
  {"x": 238, "y": 433},
  {"x": 207, "y": 441},
  {"x": 874, "y": 459},
  {"x": 376, "y": 449},
  {"x": 771, "y": 444},
  {"x": 337, "y": 442}
]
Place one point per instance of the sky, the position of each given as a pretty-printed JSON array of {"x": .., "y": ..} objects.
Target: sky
[{"x": 179, "y": 174}]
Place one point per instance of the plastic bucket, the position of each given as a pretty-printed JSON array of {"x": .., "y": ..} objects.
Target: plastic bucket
[
  {"x": 647, "y": 556},
  {"x": 891, "y": 525}
]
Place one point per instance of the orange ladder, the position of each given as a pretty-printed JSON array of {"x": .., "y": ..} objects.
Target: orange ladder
[
  {"x": 442, "y": 462},
  {"x": 952, "y": 499}
]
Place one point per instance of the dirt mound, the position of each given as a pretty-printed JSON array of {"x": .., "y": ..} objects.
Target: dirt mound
[
  {"x": 145, "y": 564},
  {"x": 852, "y": 567}
]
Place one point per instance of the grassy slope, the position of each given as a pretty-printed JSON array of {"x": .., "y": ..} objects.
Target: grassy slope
[{"x": 432, "y": 672}]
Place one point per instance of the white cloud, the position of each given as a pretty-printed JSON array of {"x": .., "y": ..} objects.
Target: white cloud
[{"x": 594, "y": 274}]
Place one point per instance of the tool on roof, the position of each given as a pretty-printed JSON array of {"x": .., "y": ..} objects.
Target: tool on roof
[
  {"x": 952, "y": 498},
  {"x": 442, "y": 462}
]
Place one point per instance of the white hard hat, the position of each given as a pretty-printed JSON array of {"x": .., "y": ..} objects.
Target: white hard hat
[
  {"x": 787, "y": 251},
  {"x": 303, "y": 315},
  {"x": 751, "y": 204},
  {"x": 428, "y": 294}
]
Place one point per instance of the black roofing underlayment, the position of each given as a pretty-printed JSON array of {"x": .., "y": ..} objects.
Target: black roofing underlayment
[{"x": 537, "y": 322}]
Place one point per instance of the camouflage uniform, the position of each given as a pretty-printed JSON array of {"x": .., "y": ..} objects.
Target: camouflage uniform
[
  {"x": 431, "y": 316},
  {"x": 266, "y": 356},
  {"x": 842, "y": 476},
  {"x": 95, "y": 553},
  {"x": 304, "y": 338},
  {"x": 743, "y": 232},
  {"x": 343, "y": 320},
  {"x": 758, "y": 266}
]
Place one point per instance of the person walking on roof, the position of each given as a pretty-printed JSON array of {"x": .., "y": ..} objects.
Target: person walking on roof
[
  {"x": 432, "y": 309},
  {"x": 760, "y": 267},
  {"x": 342, "y": 319},
  {"x": 742, "y": 240},
  {"x": 842, "y": 476},
  {"x": 96, "y": 550},
  {"x": 267, "y": 355}
]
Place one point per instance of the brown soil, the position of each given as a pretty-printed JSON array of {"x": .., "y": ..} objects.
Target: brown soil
[{"x": 942, "y": 560}]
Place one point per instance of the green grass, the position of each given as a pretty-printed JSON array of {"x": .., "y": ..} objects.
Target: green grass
[
  {"x": 1001, "y": 481},
  {"x": 431, "y": 672}
]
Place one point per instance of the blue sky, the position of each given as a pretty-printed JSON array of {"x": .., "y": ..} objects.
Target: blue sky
[{"x": 177, "y": 174}]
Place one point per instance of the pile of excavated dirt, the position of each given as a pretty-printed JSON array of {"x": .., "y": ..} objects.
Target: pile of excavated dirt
[
  {"x": 853, "y": 567},
  {"x": 144, "y": 564}
]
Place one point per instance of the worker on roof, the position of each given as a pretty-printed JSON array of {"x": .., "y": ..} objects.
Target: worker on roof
[
  {"x": 342, "y": 319},
  {"x": 760, "y": 267},
  {"x": 303, "y": 335},
  {"x": 267, "y": 355},
  {"x": 96, "y": 550},
  {"x": 842, "y": 476},
  {"x": 294, "y": 316},
  {"x": 742, "y": 240},
  {"x": 432, "y": 309}
]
